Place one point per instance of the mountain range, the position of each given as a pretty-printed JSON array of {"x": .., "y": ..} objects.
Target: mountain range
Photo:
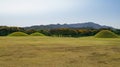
[{"x": 76, "y": 25}]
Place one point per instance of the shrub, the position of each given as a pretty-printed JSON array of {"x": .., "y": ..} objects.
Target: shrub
[
  {"x": 18, "y": 34},
  {"x": 106, "y": 34}
]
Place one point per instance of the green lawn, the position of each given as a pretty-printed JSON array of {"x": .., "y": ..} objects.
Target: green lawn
[{"x": 43, "y": 51}]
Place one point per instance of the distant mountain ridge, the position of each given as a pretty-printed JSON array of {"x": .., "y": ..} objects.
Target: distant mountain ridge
[{"x": 76, "y": 25}]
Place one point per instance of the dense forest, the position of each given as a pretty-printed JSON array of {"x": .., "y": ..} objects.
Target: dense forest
[{"x": 66, "y": 32}]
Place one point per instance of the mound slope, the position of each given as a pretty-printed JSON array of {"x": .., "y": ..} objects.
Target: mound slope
[
  {"x": 106, "y": 34},
  {"x": 37, "y": 34},
  {"x": 18, "y": 34}
]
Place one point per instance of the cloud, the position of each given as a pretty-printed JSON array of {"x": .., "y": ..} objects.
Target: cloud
[{"x": 34, "y": 6}]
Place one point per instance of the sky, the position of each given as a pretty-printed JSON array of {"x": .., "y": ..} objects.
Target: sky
[{"x": 42, "y": 12}]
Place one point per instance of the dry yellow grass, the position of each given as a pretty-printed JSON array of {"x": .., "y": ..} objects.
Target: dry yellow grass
[{"x": 59, "y": 52}]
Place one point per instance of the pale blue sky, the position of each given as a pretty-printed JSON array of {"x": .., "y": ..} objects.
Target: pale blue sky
[{"x": 37, "y": 12}]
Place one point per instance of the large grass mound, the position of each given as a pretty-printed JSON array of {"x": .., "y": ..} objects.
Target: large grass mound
[
  {"x": 106, "y": 34},
  {"x": 18, "y": 34},
  {"x": 37, "y": 34}
]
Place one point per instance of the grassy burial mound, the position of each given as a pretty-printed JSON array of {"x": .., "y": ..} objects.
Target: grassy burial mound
[
  {"x": 106, "y": 34},
  {"x": 18, "y": 34},
  {"x": 37, "y": 34}
]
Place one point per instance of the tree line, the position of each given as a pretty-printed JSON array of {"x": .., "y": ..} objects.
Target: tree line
[
  {"x": 60, "y": 32},
  {"x": 4, "y": 30}
]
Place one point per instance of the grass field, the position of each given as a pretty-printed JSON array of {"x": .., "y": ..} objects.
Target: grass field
[{"x": 59, "y": 52}]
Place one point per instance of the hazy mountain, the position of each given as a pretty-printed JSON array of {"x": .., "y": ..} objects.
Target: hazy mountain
[{"x": 76, "y": 25}]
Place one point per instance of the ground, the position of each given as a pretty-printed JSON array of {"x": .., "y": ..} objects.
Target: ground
[{"x": 59, "y": 52}]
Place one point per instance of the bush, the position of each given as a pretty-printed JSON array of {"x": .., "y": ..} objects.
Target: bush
[
  {"x": 37, "y": 34},
  {"x": 18, "y": 34},
  {"x": 106, "y": 34}
]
